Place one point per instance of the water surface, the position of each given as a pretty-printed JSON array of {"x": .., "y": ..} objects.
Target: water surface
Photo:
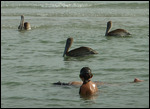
[{"x": 32, "y": 60}]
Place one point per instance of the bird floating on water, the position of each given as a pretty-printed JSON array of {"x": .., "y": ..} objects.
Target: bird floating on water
[
  {"x": 81, "y": 51},
  {"x": 117, "y": 32},
  {"x": 24, "y": 26}
]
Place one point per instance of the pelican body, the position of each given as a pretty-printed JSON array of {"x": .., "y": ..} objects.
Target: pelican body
[
  {"x": 117, "y": 32},
  {"x": 24, "y": 26},
  {"x": 81, "y": 51}
]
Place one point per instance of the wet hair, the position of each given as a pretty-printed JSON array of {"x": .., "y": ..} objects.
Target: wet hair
[
  {"x": 86, "y": 73},
  {"x": 60, "y": 83}
]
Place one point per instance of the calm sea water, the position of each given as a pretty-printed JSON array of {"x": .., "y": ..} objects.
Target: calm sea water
[{"x": 32, "y": 60}]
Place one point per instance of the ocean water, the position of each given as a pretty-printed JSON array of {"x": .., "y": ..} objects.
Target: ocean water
[{"x": 32, "y": 60}]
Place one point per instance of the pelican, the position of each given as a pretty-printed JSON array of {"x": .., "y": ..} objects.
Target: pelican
[
  {"x": 81, "y": 51},
  {"x": 24, "y": 26},
  {"x": 117, "y": 32}
]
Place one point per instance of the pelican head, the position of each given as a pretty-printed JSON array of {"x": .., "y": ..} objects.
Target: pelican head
[
  {"x": 109, "y": 24},
  {"x": 22, "y": 17},
  {"x": 68, "y": 45},
  {"x": 21, "y": 26}
]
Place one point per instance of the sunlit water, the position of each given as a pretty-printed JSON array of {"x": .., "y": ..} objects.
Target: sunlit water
[{"x": 32, "y": 60}]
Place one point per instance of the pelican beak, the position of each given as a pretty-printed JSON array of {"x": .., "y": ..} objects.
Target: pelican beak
[
  {"x": 21, "y": 26},
  {"x": 109, "y": 24},
  {"x": 68, "y": 45},
  {"x": 64, "y": 53},
  {"x": 66, "y": 48}
]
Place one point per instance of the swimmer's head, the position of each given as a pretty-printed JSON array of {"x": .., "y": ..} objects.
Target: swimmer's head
[{"x": 86, "y": 73}]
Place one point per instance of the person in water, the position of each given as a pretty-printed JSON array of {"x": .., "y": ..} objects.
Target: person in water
[
  {"x": 87, "y": 87},
  {"x": 81, "y": 75}
]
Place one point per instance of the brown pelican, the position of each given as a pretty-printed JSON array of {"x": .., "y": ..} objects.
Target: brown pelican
[
  {"x": 24, "y": 26},
  {"x": 81, "y": 51},
  {"x": 117, "y": 32}
]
